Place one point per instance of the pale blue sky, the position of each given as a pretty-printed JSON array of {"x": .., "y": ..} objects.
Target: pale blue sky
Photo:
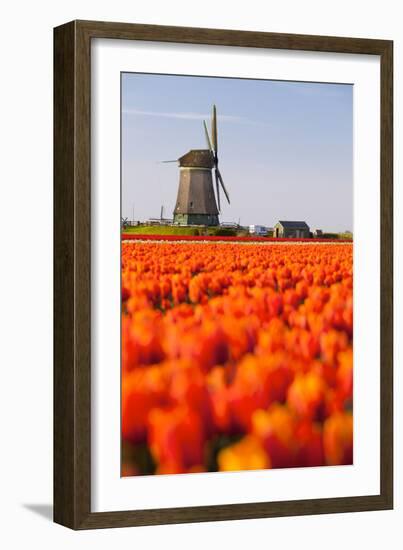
[{"x": 285, "y": 148}]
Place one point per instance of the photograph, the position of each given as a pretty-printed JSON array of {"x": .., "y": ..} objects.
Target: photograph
[{"x": 236, "y": 266}]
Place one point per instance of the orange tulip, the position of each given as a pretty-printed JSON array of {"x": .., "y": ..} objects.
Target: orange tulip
[
  {"x": 247, "y": 454},
  {"x": 276, "y": 429},
  {"x": 253, "y": 340},
  {"x": 142, "y": 390},
  {"x": 338, "y": 438},
  {"x": 306, "y": 395},
  {"x": 176, "y": 440}
]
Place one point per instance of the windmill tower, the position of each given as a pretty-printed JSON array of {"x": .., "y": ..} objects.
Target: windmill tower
[{"x": 196, "y": 202}]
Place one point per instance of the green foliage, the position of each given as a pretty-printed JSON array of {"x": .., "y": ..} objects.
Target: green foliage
[
  {"x": 336, "y": 236},
  {"x": 222, "y": 232},
  {"x": 139, "y": 457},
  {"x": 329, "y": 236},
  {"x": 162, "y": 230},
  {"x": 217, "y": 444},
  {"x": 180, "y": 230}
]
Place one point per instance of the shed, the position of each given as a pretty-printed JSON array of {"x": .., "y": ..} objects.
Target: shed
[{"x": 291, "y": 230}]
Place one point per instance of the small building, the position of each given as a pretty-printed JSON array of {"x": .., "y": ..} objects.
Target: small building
[
  {"x": 318, "y": 233},
  {"x": 229, "y": 225},
  {"x": 261, "y": 230},
  {"x": 291, "y": 230}
]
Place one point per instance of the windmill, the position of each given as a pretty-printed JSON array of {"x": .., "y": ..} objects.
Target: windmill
[{"x": 196, "y": 203}]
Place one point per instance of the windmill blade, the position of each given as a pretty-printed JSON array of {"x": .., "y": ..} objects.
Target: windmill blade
[
  {"x": 164, "y": 161},
  {"x": 207, "y": 136},
  {"x": 217, "y": 186},
  {"x": 214, "y": 131},
  {"x": 222, "y": 185}
]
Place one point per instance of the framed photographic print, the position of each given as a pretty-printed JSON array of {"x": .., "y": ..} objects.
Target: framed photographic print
[{"x": 222, "y": 272}]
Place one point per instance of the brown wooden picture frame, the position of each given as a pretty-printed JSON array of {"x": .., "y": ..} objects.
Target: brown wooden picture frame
[{"x": 72, "y": 270}]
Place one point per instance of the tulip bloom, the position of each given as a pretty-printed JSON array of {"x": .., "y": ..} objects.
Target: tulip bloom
[
  {"x": 224, "y": 341},
  {"x": 247, "y": 454},
  {"x": 338, "y": 438}
]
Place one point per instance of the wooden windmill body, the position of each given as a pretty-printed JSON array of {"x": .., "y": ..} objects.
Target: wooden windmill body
[{"x": 196, "y": 203}]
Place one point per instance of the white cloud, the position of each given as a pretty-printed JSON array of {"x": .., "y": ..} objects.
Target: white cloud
[{"x": 188, "y": 116}]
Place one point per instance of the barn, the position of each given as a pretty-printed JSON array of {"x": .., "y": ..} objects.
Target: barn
[{"x": 291, "y": 230}]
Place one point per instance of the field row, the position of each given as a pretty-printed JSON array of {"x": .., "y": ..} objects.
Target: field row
[
  {"x": 226, "y": 239},
  {"x": 236, "y": 357}
]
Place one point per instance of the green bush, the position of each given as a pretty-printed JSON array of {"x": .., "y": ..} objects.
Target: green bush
[
  {"x": 222, "y": 232},
  {"x": 347, "y": 235},
  {"x": 181, "y": 230},
  {"x": 161, "y": 230}
]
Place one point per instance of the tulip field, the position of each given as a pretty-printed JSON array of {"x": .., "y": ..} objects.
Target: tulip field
[{"x": 236, "y": 356}]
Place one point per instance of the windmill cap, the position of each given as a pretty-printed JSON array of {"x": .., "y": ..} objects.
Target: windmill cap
[{"x": 197, "y": 158}]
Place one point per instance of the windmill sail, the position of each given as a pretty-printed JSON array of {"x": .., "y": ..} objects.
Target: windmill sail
[
  {"x": 207, "y": 136},
  {"x": 222, "y": 185},
  {"x": 198, "y": 199},
  {"x": 213, "y": 147},
  {"x": 214, "y": 132},
  {"x": 217, "y": 186}
]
